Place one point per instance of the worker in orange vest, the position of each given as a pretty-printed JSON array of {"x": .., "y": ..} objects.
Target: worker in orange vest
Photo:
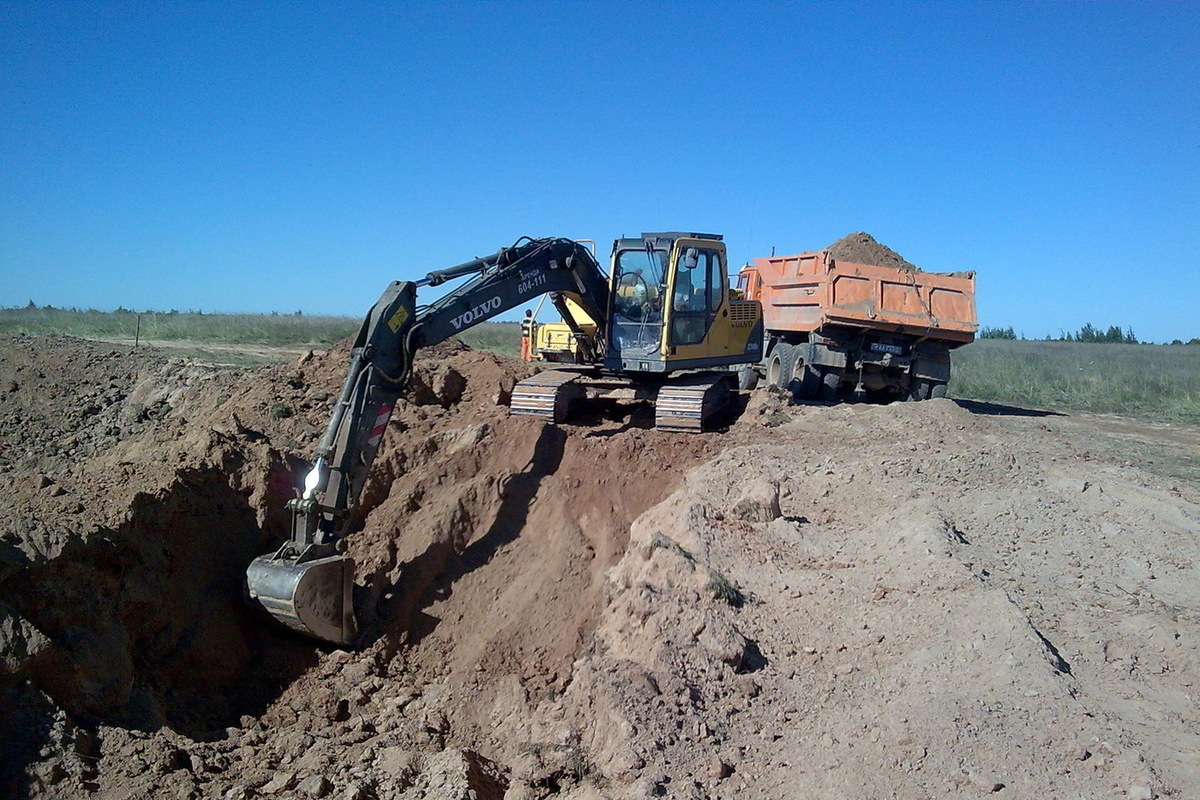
[{"x": 528, "y": 329}]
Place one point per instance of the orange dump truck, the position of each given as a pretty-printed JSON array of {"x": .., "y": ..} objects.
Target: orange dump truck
[{"x": 833, "y": 327}]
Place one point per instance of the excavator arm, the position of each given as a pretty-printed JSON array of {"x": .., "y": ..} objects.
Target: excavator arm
[{"x": 307, "y": 583}]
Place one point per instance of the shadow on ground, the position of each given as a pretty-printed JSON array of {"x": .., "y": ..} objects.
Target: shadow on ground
[{"x": 999, "y": 410}]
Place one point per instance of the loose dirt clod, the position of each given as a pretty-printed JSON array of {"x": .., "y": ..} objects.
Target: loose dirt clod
[{"x": 857, "y": 601}]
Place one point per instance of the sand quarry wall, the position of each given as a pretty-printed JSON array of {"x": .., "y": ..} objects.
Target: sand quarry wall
[{"x": 917, "y": 600}]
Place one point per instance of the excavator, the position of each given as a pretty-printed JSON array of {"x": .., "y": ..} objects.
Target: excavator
[{"x": 662, "y": 326}]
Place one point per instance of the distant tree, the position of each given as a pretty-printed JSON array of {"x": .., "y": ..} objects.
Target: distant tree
[
  {"x": 31, "y": 304},
  {"x": 1090, "y": 333},
  {"x": 997, "y": 333}
]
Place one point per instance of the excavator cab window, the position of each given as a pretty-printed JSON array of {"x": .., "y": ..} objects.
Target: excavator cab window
[
  {"x": 697, "y": 296},
  {"x": 639, "y": 281}
]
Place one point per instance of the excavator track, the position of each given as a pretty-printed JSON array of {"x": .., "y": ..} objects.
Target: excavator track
[
  {"x": 547, "y": 394},
  {"x": 688, "y": 405}
]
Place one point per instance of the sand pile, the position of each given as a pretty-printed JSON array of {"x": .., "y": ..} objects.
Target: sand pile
[{"x": 861, "y": 248}]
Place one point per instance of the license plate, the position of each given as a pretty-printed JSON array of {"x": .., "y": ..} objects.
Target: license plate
[{"x": 879, "y": 347}]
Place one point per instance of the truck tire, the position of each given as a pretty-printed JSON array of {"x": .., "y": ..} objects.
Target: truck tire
[
  {"x": 780, "y": 365},
  {"x": 937, "y": 390},
  {"x": 831, "y": 380},
  {"x": 919, "y": 390},
  {"x": 807, "y": 383},
  {"x": 747, "y": 377}
]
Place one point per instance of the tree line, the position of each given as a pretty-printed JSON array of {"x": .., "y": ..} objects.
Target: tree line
[
  {"x": 122, "y": 310},
  {"x": 1088, "y": 333}
]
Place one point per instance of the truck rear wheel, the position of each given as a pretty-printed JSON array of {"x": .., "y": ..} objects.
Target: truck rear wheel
[
  {"x": 807, "y": 383},
  {"x": 780, "y": 365},
  {"x": 937, "y": 390},
  {"x": 831, "y": 380},
  {"x": 747, "y": 377},
  {"x": 920, "y": 390}
]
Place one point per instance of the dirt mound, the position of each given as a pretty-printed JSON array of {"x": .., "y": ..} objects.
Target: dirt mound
[
  {"x": 912, "y": 600},
  {"x": 861, "y": 248},
  {"x": 119, "y": 583}
]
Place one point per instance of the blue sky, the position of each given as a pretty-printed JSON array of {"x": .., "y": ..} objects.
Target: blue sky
[{"x": 261, "y": 156}]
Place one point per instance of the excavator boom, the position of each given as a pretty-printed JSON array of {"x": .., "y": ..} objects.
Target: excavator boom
[{"x": 307, "y": 584}]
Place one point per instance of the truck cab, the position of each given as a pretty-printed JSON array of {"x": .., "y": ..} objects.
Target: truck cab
[{"x": 671, "y": 308}]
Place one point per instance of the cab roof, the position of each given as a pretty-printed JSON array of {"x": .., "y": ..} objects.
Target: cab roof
[{"x": 663, "y": 240}]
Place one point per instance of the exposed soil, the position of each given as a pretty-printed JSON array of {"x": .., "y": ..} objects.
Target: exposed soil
[
  {"x": 861, "y": 248},
  {"x": 919, "y": 600}
]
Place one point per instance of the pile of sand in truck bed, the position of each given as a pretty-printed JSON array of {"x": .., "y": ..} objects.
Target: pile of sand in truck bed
[
  {"x": 917, "y": 600},
  {"x": 861, "y": 248}
]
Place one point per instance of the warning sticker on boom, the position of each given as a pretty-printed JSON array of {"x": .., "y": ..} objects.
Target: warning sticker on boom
[{"x": 398, "y": 319}]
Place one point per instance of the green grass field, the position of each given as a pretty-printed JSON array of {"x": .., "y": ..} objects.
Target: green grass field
[
  {"x": 263, "y": 330},
  {"x": 1141, "y": 380},
  {"x": 280, "y": 330},
  {"x": 501, "y": 338}
]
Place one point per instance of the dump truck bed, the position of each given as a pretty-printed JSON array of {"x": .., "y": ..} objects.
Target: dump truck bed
[{"x": 809, "y": 291}]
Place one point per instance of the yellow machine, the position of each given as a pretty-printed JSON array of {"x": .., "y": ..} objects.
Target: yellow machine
[
  {"x": 555, "y": 341},
  {"x": 668, "y": 310},
  {"x": 705, "y": 321}
]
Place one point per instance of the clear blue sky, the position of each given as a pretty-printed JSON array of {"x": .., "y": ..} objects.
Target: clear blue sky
[{"x": 262, "y": 156}]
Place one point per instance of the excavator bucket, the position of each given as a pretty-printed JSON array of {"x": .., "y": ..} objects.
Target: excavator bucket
[{"x": 313, "y": 597}]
